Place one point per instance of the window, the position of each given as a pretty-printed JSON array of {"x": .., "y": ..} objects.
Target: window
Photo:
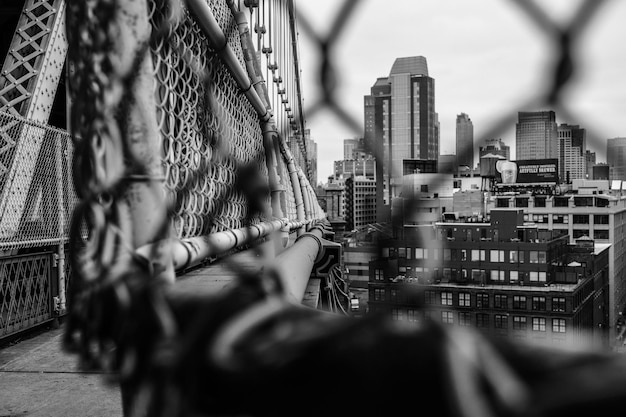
[
  {"x": 558, "y": 325},
  {"x": 419, "y": 253},
  {"x": 519, "y": 302},
  {"x": 513, "y": 258},
  {"x": 500, "y": 321},
  {"x": 601, "y": 219},
  {"x": 558, "y": 304},
  {"x": 497, "y": 275},
  {"x": 478, "y": 254},
  {"x": 424, "y": 188},
  {"x": 482, "y": 320},
  {"x": 446, "y": 298},
  {"x": 447, "y": 254},
  {"x": 447, "y": 317},
  {"x": 393, "y": 295},
  {"x": 580, "y": 233},
  {"x": 413, "y": 315},
  {"x": 379, "y": 294},
  {"x": 465, "y": 318},
  {"x": 542, "y": 257},
  {"x": 539, "y": 324},
  {"x": 519, "y": 323},
  {"x": 540, "y": 201},
  {"x": 539, "y": 303},
  {"x": 409, "y": 253},
  {"x": 379, "y": 275},
  {"x": 464, "y": 254},
  {"x": 385, "y": 253},
  {"x": 496, "y": 256},
  {"x": 513, "y": 276},
  {"x": 464, "y": 299},
  {"x": 580, "y": 219},
  {"x": 500, "y": 301},
  {"x": 533, "y": 257},
  {"x": 430, "y": 297},
  {"x": 601, "y": 234},
  {"x": 398, "y": 314},
  {"x": 402, "y": 252},
  {"x": 482, "y": 300}
]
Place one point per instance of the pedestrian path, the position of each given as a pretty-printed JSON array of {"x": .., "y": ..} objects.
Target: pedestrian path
[{"x": 39, "y": 379}]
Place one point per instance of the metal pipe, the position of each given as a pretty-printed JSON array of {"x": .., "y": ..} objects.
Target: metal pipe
[
  {"x": 294, "y": 44},
  {"x": 270, "y": 134},
  {"x": 249, "y": 55},
  {"x": 305, "y": 195},
  {"x": 294, "y": 264},
  {"x": 211, "y": 29},
  {"x": 295, "y": 182},
  {"x": 190, "y": 252}
]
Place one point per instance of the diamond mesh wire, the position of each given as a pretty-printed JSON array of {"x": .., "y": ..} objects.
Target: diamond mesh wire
[
  {"x": 36, "y": 192},
  {"x": 208, "y": 128},
  {"x": 25, "y": 292}
]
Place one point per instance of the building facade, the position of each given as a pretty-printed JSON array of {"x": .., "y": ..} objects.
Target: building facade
[
  {"x": 464, "y": 141},
  {"x": 505, "y": 277},
  {"x": 401, "y": 124},
  {"x": 589, "y": 210},
  {"x": 616, "y": 158},
  {"x": 360, "y": 202},
  {"x": 572, "y": 153},
  {"x": 355, "y": 167},
  {"x": 536, "y": 135}
]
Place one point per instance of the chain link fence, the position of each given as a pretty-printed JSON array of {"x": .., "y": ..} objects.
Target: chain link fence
[{"x": 37, "y": 197}]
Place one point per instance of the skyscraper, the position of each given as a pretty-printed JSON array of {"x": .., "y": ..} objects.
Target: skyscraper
[
  {"x": 401, "y": 125},
  {"x": 536, "y": 135},
  {"x": 571, "y": 152},
  {"x": 616, "y": 158},
  {"x": 464, "y": 141}
]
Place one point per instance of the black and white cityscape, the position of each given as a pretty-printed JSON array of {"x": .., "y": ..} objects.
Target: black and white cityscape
[{"x": 312, "y": 208}]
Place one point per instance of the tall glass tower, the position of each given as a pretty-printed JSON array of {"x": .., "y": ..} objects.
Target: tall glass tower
[
  {"x": 536, "y": 135},
  {"x": 401, "y": 126},
  {"x": 464, "y": 141}
]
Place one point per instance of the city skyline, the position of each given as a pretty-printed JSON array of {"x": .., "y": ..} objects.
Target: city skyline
[{"x": 488, "y": 83}]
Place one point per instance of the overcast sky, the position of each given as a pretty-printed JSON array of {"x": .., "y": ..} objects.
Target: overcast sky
[{"x": 487, "y": 57}]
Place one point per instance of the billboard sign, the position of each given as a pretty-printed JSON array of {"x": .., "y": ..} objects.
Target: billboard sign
[{"x": 528, "y": 171}]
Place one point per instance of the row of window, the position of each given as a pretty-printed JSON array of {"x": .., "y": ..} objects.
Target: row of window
[
  {"x": 463, "y": 318},
  {"x": 482, "y": 300},
  {"x": 478, "y": 255},
  {"x": 476, "y": 275}
]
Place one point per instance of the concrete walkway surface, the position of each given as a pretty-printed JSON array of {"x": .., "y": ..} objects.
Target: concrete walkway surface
[{"x": 37, "y": 378}]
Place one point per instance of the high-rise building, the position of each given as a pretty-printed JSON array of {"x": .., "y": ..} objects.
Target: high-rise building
[
  {"x": 401, "y": 124},
  {"x": 536, "y": 135},
  {"x": 464, "y": 141},
  {"x": 616, "y": 158},
  {"x": 349, "y": 147},
  {"x": 572, "y": 146},
  {"x": 495, "y": 147},
  {"x": 590, "y": 158},
  {"x": 360, "y": 202}
]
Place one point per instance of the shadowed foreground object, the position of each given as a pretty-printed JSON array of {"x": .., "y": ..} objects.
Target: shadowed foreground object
[{"x": 249, "y": 351}]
